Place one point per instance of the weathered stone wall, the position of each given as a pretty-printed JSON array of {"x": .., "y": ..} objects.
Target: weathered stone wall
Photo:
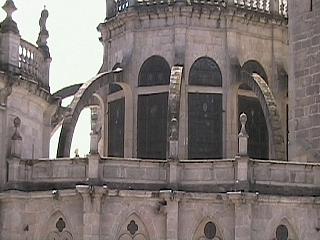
[
  {"x": 304, "y": 80},
  {"x": 106, "y": 214}
]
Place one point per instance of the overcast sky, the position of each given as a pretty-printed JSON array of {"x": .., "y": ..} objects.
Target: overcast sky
[{"x": 74, "y": 46}]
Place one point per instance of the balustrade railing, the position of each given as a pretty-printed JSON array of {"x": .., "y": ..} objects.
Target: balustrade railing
[
  {"x": 266, "y": 6},
  {"x": 30, "y": 60}
]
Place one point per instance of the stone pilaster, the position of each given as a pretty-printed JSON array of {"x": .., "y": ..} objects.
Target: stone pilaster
[
  {"x": 10, "y": 39},
  {"x": 92, "y": 196},
  {"x": 243, "y": 214}
]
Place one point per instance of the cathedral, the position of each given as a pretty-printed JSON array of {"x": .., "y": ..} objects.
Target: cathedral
[{"x": 205, "y": 125}]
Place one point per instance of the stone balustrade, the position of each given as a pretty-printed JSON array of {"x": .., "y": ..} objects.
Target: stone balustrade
[
  {"x": 267, "y": 6},
  {"x": 225, "y": 175},
  {"x": 30, "y": 60}
]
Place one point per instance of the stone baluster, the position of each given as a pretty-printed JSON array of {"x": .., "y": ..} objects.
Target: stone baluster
[
  {"x": 231, "y": 2},
  {"x": 274, "y": 6},
  {"x": 10, "y": 39}
]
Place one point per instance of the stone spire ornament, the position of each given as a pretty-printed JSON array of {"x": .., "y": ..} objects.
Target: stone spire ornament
[
  {"x": 243, "y": 136},
  {"x": 43, "y": 34},
  {"x": 8, "y": 24}
]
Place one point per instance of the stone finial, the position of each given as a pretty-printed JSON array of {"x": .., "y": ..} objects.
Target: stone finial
[
  {"x": 8, "y": 24},
  {"x": 43, "y": 34},
  {"x": 243, "y": 136},
  {"x": 16, "y": 139}
]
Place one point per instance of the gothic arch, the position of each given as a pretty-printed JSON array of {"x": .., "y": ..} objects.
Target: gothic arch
[
  {"x": 270, "y": 111},
  {"x": 133, "y": 228},
  {"x": 79, "y": 102},
  {"x": 208, "y": 229},
  {"x": 57, "y": 228}
]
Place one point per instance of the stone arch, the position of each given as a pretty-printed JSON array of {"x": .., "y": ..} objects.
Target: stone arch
[
  {"x": 201, "y": 232},
  {"x": 133, "y": 228},
  {"x": 154, "y": 71},
  {"x": 57, "y": 227},
  {"x": 79, "y": 102},
  {"x": 270, "y": 111},
  {"x": 210, "y": 72},
  {"x": 292, "y": 234}
]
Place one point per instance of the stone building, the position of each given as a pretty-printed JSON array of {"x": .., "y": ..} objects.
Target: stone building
[{"x": 171, "y": 154}]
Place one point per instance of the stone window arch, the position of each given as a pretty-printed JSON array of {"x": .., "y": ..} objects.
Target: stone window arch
[
  {"x": 154, "y": 78},
  {"x": 133, "y": 229},
  {"x": 205, "y": 72},
  {"x": 60, "y": 230},
  {"x": 205, "y": 124},
  {"x": 207, "y": 230},
  {"x": 258, "y": 142},
  {"x": 154, "y": 71}
]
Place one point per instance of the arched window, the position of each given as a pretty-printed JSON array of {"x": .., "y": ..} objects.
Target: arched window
[
  {"x": 207, "y": 230},
  {"x": 205, "y": 72},
  {"x": 258, "y": 142},
  {"x": 153, "y": 108},
  {"x": 205, "y": 110},
  {"x": 116, "y": 117},
  {"x": 284, "y": 231},
  {"x": 154, "y": 71}
]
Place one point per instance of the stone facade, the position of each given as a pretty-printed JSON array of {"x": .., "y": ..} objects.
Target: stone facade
[
  {"x": 304, "y": 84},
  {"x": 166, "y": 157}
]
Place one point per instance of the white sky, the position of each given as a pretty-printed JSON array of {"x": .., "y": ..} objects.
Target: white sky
[{"x": 74, "y": 46}]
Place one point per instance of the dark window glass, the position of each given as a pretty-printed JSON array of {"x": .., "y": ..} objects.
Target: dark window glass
[
  {"x": 116, "y": 113},
  {"x": 282, "y": 232},
  {"x": 210, "y": 230},
  {"x": 205, "y": 72},
  {"x": 205, "y": 126},
  {"x": 253, "y": 67},
  {"x": 154, "y": 71},
  {"x": 114, "y": 88},
  {"x": 152, "y": 126},
  {"x": 258, "y": 142}
]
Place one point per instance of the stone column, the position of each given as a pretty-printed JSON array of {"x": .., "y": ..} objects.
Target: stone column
[
  {"x": 3, "y": 143},
  {"x": 92, "y": 196}
]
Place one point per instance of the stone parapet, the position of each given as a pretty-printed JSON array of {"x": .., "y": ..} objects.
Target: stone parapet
[{"x": 239, "y": 174}]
